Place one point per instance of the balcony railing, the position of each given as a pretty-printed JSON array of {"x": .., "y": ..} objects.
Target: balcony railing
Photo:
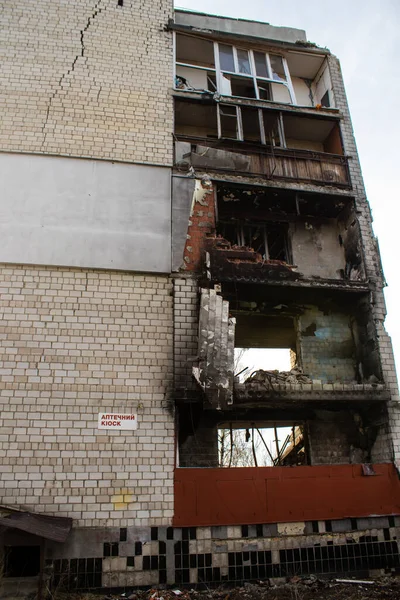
[{"x": 272, "y": 163}]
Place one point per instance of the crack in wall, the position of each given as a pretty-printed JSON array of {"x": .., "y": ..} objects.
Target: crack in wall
[{"x": 96, "y": 11}]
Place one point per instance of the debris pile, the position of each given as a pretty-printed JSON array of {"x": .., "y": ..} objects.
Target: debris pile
[
  {"x": 301, "y": 588},
  {"x": 271, "y": 378}
]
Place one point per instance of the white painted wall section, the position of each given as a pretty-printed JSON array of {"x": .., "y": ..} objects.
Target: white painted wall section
[{"x": 84, "y": 213}]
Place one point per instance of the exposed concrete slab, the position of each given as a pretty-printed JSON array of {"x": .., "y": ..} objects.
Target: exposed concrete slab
[
  {"x": 182, "y": 196},
  {"x": 239, "y": 27}
]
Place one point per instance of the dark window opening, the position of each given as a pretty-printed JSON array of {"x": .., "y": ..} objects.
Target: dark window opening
[
  {"x": 264, "y": 89},
  {"x": 194, "y": 51},
  {"x": 325, "y": 100},
  {"x": 242, "y": 86},
  {"x": 229, "y": 122},
  {"x": 195, "y": 119},
  {"x": 21, "y": 561},
  {"x": 251, "y": 125},
  {"x": 268, "y": 239}
]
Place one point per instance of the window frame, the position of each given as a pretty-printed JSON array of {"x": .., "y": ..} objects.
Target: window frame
[
  {"x": 240, "y": 224},
  {"x": 219, "y": 73},
  {"x": 264, "y": 141}
]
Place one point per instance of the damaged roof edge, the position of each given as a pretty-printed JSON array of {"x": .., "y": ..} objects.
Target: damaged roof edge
[
  {"x": 243, "y": 28},
  {"x": 52, "y": 528}
]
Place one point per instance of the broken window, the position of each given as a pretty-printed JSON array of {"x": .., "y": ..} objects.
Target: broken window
[
  {"x": 195, "y": 64},
  {"x": 229, "y": 122},
  {"x": 321, "y": 135},
  {"x": 260, "y": 445},
  {"x": 195, "y": 119},
  {"x": 325, "y": 100},
  {"x": 236, "y": 76},
  {"x": 242, "y": 86},
  {"x": 256, "y": 75},
  {"x": 268, "y": 239},
  {"x": 201, "y": 64},
  {"x": 251, "y": 125},
  {"x": 272, "y": 129}
]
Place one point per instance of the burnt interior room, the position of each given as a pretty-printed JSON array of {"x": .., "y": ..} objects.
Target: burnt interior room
[
  {"x": 331, "y": 338},
  {"x": 291, "y": 434},
  {"x": 316, "y": 235},
  {"x": 330, "y": 333}
]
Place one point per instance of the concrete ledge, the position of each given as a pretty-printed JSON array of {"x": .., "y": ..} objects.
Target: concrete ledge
[
  {"x": 240, "y": 27},
  {"x": 307, "y": 392}
]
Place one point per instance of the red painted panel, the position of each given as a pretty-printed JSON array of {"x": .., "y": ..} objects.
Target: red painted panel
[{"x": 283, "y": 494}]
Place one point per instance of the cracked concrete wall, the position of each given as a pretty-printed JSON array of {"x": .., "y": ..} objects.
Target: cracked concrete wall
[
  {"x": 87, "y": 78},
  {"x": 316, "y": 249}
]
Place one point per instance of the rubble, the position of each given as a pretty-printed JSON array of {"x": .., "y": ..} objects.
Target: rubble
[
  {"x": 294, "y": 588},
  {"x": 269, "y": 378}
]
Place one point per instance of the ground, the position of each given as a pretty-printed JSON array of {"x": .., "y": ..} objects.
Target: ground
[{"x": 296, "y": 589}]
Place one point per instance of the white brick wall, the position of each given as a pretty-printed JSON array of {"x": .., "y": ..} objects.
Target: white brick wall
[
  {"x": 74, "y": 343},
  {"x": 186, "y": 326},
  {"x": 87, "y": 78}
]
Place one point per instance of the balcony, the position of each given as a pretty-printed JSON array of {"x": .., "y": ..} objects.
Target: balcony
[{"x": 273, "y": 163}]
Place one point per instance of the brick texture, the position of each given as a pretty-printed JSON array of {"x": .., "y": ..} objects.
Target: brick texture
[
  {"x": 201, "y": 224},
  {"x": 87, "y": 78},
  {"x": 327, "y": 355},
  {"x": 186, "y": 325},
  {"x": 74, "y": 343}
]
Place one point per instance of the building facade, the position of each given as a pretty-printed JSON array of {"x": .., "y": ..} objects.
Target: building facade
[{"x": 189, "y": 187}]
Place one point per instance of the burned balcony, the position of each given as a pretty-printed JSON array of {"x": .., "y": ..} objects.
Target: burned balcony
[
  {"x": 253, "y": 141},
  {"x": 269, "y": 235}
]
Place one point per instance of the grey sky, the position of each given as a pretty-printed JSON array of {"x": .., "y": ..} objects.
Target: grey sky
[{"x": 364, "y": 35}]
